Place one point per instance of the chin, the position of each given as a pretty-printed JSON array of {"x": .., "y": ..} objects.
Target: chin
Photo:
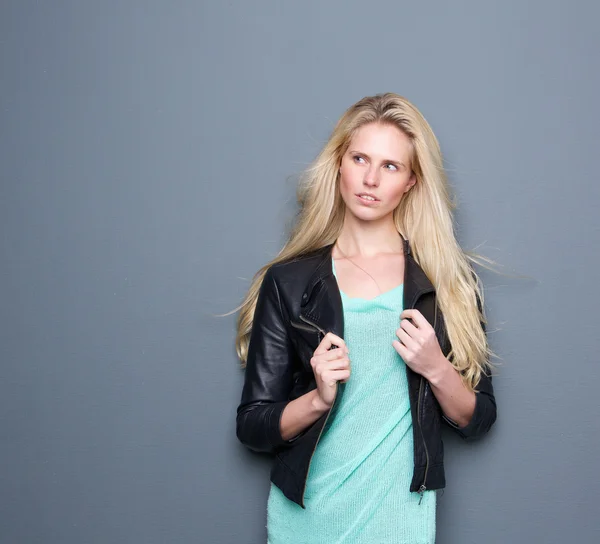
[{"x": 366, "y": 215}]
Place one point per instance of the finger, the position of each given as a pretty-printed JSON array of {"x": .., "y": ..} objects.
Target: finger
[
  {"x": 329, "y": 340},
  {"x": 333, "y": 376},
  {"x": 417, "y": 317},
  {"x": 320, "y": 363},
  {"x": 406, "y": 339},
  {"x": 409, "y": 327},
  {"x": 334, "y": 339},
  {"x": 332, "y": 354},
  {"x": 338, "y": 362},
  {"x": 401, "y": 349},
  {"x": 329, "y": 357}
]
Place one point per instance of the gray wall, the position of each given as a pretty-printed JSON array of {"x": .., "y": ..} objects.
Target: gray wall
[{"x": 147, "y": 160}]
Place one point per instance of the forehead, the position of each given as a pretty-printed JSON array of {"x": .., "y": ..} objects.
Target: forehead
[{"x": 381, "y": 141}]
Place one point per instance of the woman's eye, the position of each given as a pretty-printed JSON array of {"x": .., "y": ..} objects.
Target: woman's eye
[
  {"x": 392, "y": 165},
  {"x": 357, "y": 158}
]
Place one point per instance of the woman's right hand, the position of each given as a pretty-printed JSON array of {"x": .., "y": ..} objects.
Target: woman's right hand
[{"x": 330, "y": 366}]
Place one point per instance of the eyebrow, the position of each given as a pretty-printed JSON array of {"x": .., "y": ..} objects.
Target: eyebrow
[{"x": 398, "y": 163}]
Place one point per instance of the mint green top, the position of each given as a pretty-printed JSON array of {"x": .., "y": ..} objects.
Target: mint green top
[{"x": 357, "y": 489}]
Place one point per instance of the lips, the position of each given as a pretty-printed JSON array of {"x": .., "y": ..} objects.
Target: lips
[{"x": 375, "y": 199}]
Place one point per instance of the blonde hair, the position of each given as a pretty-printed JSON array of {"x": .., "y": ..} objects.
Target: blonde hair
[{"x": 424, "y": 216}]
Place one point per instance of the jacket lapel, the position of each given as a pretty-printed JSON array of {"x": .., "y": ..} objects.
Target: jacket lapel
[
  {"x": 416, "y": 282},
  {"x": 321, "y": 300}
]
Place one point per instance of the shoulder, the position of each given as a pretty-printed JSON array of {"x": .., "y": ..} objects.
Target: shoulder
[
  {"x": 291, "y": 277},
  {"x": 298, "y": 268}
]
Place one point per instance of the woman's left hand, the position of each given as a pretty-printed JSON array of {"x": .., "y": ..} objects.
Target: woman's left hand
[{"x": 418, "y": 345}]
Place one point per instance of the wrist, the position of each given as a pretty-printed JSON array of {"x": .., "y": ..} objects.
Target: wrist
[
  {"x": 317, "y": 403},
  {"x": 439, "y": 371}
]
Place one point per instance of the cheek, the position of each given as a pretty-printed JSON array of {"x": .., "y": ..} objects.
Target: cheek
[
  {"x": 397, "y": 193},
  {"x": 397, "y": 190},
  {"x": 346, "y": 180}
]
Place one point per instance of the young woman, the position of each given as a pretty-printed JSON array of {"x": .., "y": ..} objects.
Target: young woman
[{"x": 362, "y": 336}]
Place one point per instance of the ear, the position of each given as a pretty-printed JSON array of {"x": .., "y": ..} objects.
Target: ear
[{"x": 411, "y": 182}]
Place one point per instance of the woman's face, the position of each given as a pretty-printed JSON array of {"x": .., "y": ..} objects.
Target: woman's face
[{"x": 377, "y": 163}]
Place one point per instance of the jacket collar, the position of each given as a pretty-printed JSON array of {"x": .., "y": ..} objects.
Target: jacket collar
[{"x": 321, "y": 299}]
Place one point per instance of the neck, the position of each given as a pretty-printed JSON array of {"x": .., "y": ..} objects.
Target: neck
[{"x": 369, "y": 238}]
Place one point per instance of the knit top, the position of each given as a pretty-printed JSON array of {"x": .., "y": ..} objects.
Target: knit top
[{"x": 357, "y": 489}]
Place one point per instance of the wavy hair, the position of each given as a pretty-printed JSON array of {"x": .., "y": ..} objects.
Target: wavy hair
[{"x": 424, "y": 216}]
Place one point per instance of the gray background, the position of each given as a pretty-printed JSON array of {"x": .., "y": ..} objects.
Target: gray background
[{"x": 148, "y": 154}]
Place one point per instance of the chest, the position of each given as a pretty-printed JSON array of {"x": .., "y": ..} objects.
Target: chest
[{"x": 367, "y": 279}]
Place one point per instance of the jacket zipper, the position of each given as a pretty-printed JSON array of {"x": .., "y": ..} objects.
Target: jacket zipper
[
  {"x": 322, "y": 332},
  {"x": 303, "y": 327},
  {"x": 423, "y": 487}
]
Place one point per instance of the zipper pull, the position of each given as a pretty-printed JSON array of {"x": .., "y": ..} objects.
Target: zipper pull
[{"x": 421, "y": 492}]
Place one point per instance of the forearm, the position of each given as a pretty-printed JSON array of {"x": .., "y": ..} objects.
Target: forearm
[
  {"x": 456, "y": 401},
  {"x": 300, "y": 414}
]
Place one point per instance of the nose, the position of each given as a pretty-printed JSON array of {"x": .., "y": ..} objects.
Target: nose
[{"x": 371, "y": 177}]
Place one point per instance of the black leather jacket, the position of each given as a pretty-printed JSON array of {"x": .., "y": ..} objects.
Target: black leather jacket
[{"x": 298, "y": 302}]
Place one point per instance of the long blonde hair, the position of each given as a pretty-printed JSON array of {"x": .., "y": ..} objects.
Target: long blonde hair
[{"x": 424, "y": 216}]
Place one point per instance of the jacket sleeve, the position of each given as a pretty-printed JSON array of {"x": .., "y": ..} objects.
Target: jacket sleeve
[
  {"x": 484, "y": 415},
  {"x": 268, "y": 374}
]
